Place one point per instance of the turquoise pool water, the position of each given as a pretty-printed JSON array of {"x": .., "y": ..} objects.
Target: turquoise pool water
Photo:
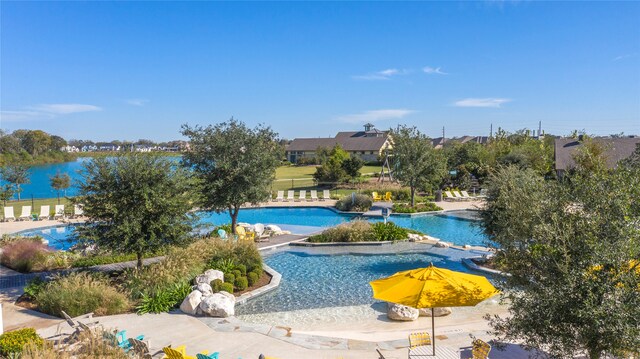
[{"x": 309, "y": 220}]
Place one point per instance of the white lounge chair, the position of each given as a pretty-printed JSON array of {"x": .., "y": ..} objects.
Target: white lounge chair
[
  {"x": 458, "y": 196},
  {"x": 326, "y": 195},
  {"x": 280, "y": 197},
  {"x": 314, "y": 195},
  {"x": 262, "y": 235},
  {"x": 26, "y": 213},
  {"x": 78, "y": 211},
  {"x": 449, "y": 196},
  {"x": 483, "y": 193},
  {"x": 291, "y": 196},
  {"x": 44, "y": 212},
  {"x": 465, "y": 195},
  {"x": 302, "y": 197},
  {"x": 59, "y": 211},
  {"x": 8, "y": 214}
]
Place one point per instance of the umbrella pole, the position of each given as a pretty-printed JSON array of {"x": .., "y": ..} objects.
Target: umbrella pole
[{"x": 433, "y": 331}]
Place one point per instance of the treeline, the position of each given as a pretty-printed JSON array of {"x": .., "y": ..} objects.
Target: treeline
[{"x": 32, "y": 147}]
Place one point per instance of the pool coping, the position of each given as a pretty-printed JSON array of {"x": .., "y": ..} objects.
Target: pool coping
[
  {"x": 273, "y": 284},
  {"x": 339, "y": 244},
  {"x": 469, "y": 263}
]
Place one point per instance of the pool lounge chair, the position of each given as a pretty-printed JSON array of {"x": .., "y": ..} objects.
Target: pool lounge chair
[
  {"x": 8, "y": 214},
  {"x": 243, "y": 235},
  {"x": 141, "y": 349},
  {"x": 387, "y": 197},
  {"x": 180, "y": 352},
  {"x": 123, "y": 342},
  {"x": 449, "y": 197},
  {"x": 280, "y": 197},
  {"x": 59, "y": 211},
  {"x": 480, "y": 349},
  {"x": 314, "y": 195},
  {"x": 302, "y": 196},
  {"x": 465, "y": 195},
  {"x": 420, "y": 345},
  {"x": 75, "y": 323},
  {"x": 291, "y": 196},
  {"x": 376, "y": 196},
  {"x": 78, "y": 211},
  {"x": 325, "y": 195},
  {"x": 44, "y": 212},
  {"x": 459, "y": 197},
  {"x": 26, "y": 214},
  {"x": 207, "y": 356}
]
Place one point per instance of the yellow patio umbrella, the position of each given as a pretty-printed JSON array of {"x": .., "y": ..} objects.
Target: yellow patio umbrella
[{"x": 433, "y": 287}]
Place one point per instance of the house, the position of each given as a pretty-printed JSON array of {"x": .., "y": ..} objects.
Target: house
[
  {"x": 615, "y": 149},
  {"x": 70, "y": 149},
  {"x": 369, "y": 144}
]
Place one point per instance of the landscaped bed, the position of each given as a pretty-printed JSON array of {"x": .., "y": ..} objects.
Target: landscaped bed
[{"x": 361, "y": 231}]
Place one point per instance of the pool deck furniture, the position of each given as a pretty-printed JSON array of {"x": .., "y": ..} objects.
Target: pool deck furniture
[
  {"x": 8, "y": 214},
  {"x": 458, "y": 196},
  {"x": 325, "y": 195},
  {"x": 59, "y": 211},
  {"x": 123, "y": 342},
  {"x": 244, "y": 235},
  {"x": 207, "y": 356},
  {"x": 420, "y": 345},
  {"x": 387, "y": 197},
  {"x": 380, "y": 356},
  {"x": 314, "y": 195},
  {"x": 449, "y": 197},
  {"x": 280, "y": 197},
  {"x": 260, "y": 234},
  {"x": 302, "y": 196},
  {"x": 466, "y": 195},
  {"x": 26, "y": 214},
  {"x": 480, "y": 349},
  {"x": 75, "y": 322},
  {"x": 376, "y": 196},
  {"x": 291, "y": 196},
  {"x": 44, "y": 212},
  {"x": 141, "y": 349},
  {"x": 180, "y": 352},
  {"x": 78, "y": 211}
]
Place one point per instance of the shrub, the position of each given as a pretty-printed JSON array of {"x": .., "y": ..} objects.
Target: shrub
[
  {"x": 242, "y": 268},
  {"x": 237, "y": 273},
  {"x": 22, "y": 255},
  {"x": 242, "y": 283},
  {"x": 356, "y": 203},
  {"x": 420, "y": 207},
  {"x": 164, "y": 300},
  {"x": 226, "y": 287},
  {"x": 389, "y": 231},
  {"x": 224, "y": 265},
  {"x": 81, "y": 293},
  {"x": 215, "y": 285},
  {"x": 252, "y": 278},
  {"x": 229, "y": 278},
  {"x": 354, "y": 231},
  {"x": 94, "y": 260},
  {"x": 11, "y": 343},
  {"x": 34, "y": 287},
  {"x": 8, "y": 239}
]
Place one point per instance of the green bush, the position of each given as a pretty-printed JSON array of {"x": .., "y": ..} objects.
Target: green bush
[
  {"x": 357, "y": 203},
  {"x": 81, "y": 293},
  {"x": 242, "y": 268},
  {"x": 252, "y": 278},
  {"x": 237, "y": 273},
  {"x": 11, "y": 343},
  {"x": 226, "y": 287},
  {"x": 164, "y": 300},
  {"x": 224, "y": 265},
  {"x": 354, "y": 231},
  {"x": 34, "y": 287},
  {"x": 389, "y": 231},
  {"x": 89, "y": 261},
  {"x": 241, "y": 283},
  {"x": 215, "y": 285},
  {"x": 419, "y": 207},
  {"x": 229, "y": 278}
]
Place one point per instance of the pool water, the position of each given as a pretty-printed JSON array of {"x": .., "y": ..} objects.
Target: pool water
[{"x": 310, "y": 220}]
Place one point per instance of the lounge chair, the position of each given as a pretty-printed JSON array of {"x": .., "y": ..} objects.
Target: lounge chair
[
  {"x": 483, "y": 193},
  {"x": 291, "y": 196},
  {"x": 376, "y": 196},
  {"x": 420, "y": 345},
  {"x": 480, "y": 349},
  {"x": 26, "y": 214},
  {"x": 141, "y": 349},
  {"x": 449, "y": 196},
  {"x": 261, "y": 234},
  {"x": 314, "y": 195},
  {"x": 78, "y": 211},
  {"x": 387, "y": 197},
  {"x": 325, "y": 195},
  {"x": 244, "y": 235},
  {"x": 302, "y": 197},
  {"x": 280, "y": 197},
  {"x": 75, "y": 323},
  {"x": 180, "y": 352},
  {"x": 121, "y": 340},
  {"x": 380, "y": 354},
  {"x": 207, "y": 356},
  {"x": 8, "y": 214},
  {"x": 59, "y": 211},
  {"x": 465, "y": 195},
  {"x": 222, "y": 234},
  {"x": 458, "y": 196},
  {"x": 44, "y": 212}
]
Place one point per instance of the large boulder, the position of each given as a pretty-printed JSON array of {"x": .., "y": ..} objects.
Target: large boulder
[
  {"x": 205, "y": 288},
  {"x": 218, "y": 305},
  {"x": 191, "y": 302},
  {"x": 401, "y": 312},
  {"x": 437, "y": 312},
  {"x": 209, "y": 276}
]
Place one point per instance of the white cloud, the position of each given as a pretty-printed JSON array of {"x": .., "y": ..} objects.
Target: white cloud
[
  {"x": 375, "y": 115},
  {"x": 381, "y": 75},
  {"x": 433, "y": 70},
  {"x": 622, "y": 57},
  {"x": 136, "y": 102},
  {"x": 17, "y": 116},
  {"x": 65, "y": 108},
  {"x": 481, "y": 102}
]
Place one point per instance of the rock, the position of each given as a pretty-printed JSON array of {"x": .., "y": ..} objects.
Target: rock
[
  {"x": 442, "y": 245},
  {"x": 401, "y": 312},
  {"x": 228, "y": 295},
  {"x": 191, "y": 302},
  {"x": 209, "y": 276},
  {"x": 218, "y": 305},
  {"x": 466, "y": 246},
  {"x": 437, "y": 312},
  {"x": 205, "y": 288}
]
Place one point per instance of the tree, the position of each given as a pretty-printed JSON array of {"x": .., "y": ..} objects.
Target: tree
[
  {"x": 17, "y": 175},
  {"x": 236, "y": 164},
  {"x": 572, "y": 250},
  {"x": 36, "y": 142},
  {"x": 6, "y": 192},
  {"x": 135, "y": 204},
  {"x": 337, "y": 166},
  {"x": 418, "y": 164},
  {"x": 60, "y": 182}
]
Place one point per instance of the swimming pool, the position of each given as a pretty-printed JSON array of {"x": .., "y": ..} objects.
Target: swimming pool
[{"x": 308, "y": 220}]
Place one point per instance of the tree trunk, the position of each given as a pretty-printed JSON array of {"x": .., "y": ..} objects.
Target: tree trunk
[
  {"x": 18, "y": 191},
  {"x": 413, "y": 197},
  {"x": 139, "y": 264},
  {"x": 234, "y": 218}
]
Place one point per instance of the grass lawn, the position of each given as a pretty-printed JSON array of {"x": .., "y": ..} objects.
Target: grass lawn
[{"x": 296, "y": 172}]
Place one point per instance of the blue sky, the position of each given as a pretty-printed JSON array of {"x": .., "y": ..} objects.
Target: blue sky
[{"x": 130, "y": 70}]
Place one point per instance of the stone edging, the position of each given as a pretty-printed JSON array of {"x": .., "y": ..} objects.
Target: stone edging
[
  {"x": 339, "y": 244},
  {"x": 273, "y": 284},
  {"x": 473, "y": 266}
]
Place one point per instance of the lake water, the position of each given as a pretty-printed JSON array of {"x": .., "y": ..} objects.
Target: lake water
[{"x": 40, "y": 186}]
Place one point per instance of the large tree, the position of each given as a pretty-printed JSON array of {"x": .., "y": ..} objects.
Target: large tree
[
  {"x": 60, "y": 182},
  {"x": 16, "y": 175},
  {"x": 572, "y": 249},
  {"x": 337, "y": 166},
  {"x": 236, "y": 164},
  {"x": 135, "y": 204},
  {"x": 418, "y": 165}
]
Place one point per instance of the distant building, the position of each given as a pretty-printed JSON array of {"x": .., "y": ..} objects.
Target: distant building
[
  {"x": 70, "y": 149},
  {"x": 615, "y": 149},
  {"x": 368, "y": 144}
]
